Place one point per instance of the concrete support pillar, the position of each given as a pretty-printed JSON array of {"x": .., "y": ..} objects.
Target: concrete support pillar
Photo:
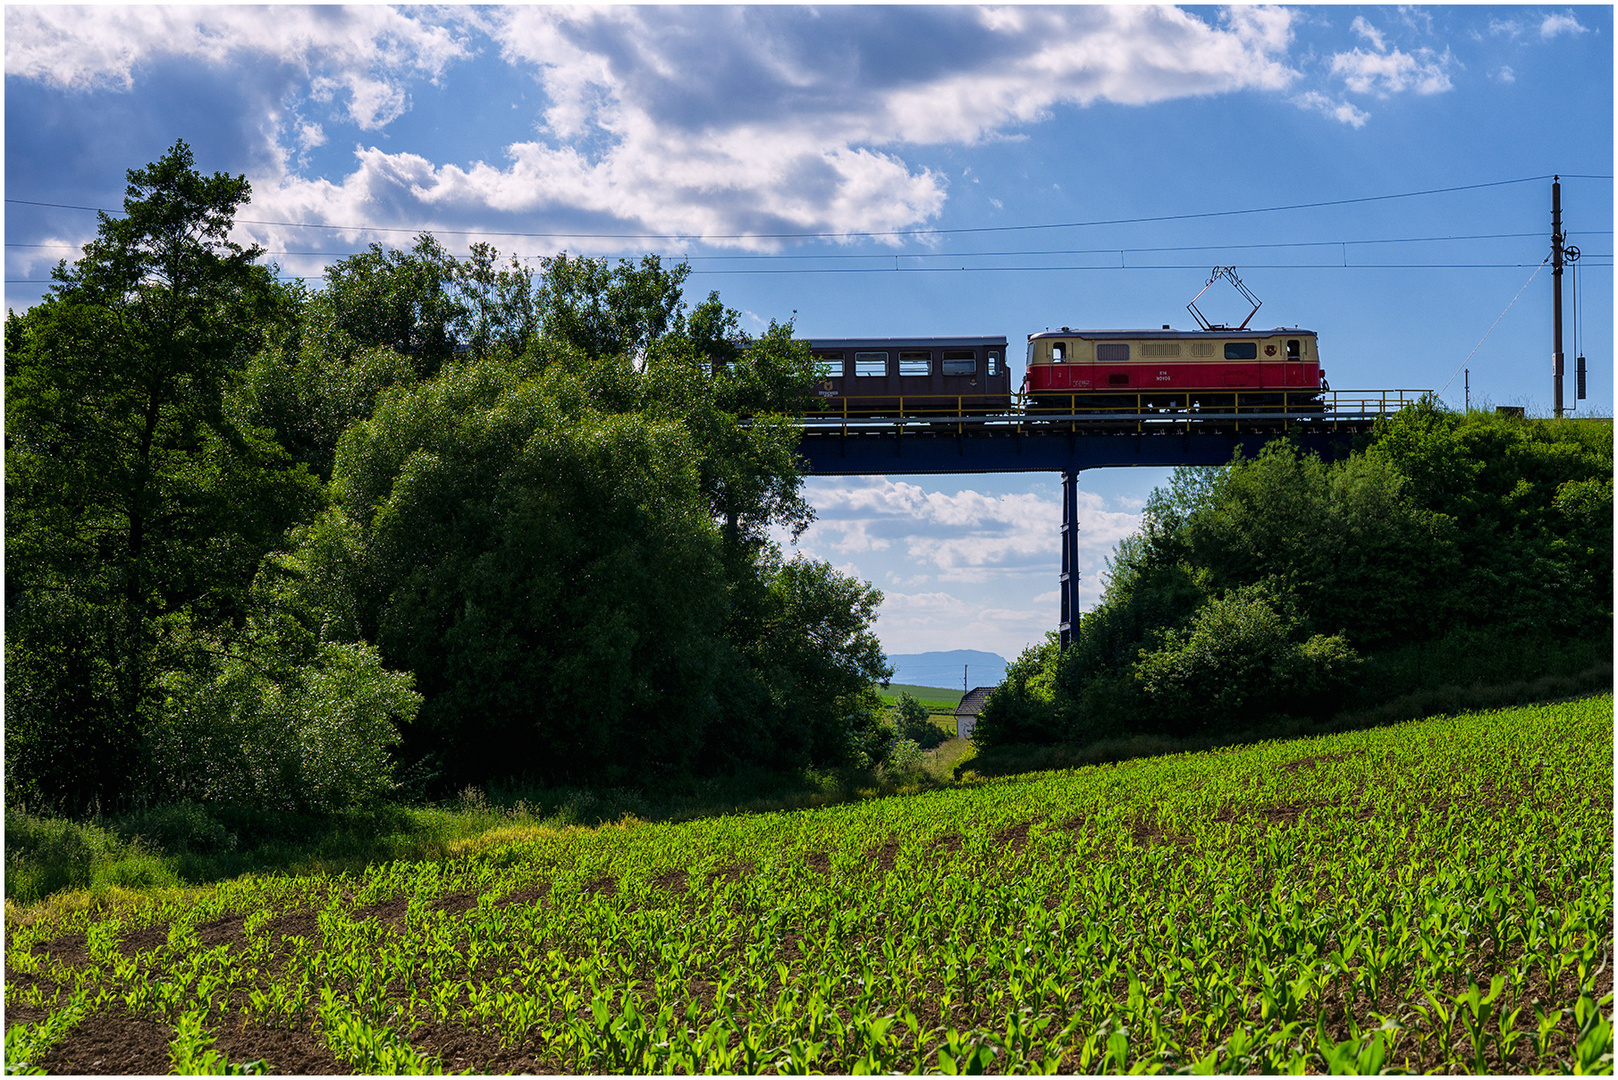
[{"x": 1068, "y": 628}]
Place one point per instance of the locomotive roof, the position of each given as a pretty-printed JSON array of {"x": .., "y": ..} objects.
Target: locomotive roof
[
  {"x": 1131, "y": 335},
  {"x": 905, "y": 342}
]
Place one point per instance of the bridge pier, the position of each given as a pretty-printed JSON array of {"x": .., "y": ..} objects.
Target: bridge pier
[{"x": 1068, "y": 628}]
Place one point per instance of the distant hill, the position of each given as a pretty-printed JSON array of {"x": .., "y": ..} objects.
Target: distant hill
[{"x": 943, "y": 669}]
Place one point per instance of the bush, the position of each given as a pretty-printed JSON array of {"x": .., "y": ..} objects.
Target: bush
[
  {"x": 912, "y": 721},
  {"x": 270, "y": 725},
  {"x": 1024, "y": 707},
  {"x": 1238, "y": 662},
  {"x": 176, "y": 828}
]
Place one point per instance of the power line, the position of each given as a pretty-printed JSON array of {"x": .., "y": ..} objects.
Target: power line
[
  {"x": 853, "y": 234},
  {"x": 1030, "y": 269},
  {"x": 1496, "y": 322},
  {"x": 995, "y": 254}
]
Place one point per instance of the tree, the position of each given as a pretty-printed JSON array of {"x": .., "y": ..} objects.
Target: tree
[
  {"x": 386, "y": 318},
  {"x": 1240, "y": 662},
  {"x": 912, "y": 721},
  {"x": 138, "y": 503},
  {"x": 570, "y": 551}
]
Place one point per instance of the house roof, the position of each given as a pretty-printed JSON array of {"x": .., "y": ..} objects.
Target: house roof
[{"x": 972, "y": 703}]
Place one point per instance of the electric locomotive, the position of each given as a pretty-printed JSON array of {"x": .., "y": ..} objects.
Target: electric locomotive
[{"x": 1173, "y": 369}]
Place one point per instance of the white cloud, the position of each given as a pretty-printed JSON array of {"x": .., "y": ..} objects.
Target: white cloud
[
  {"x": 1554, "y": 25},
  {"x": 1369, "y": 33},
  {"x": 1506, "y": 75},
  {"x": 1393, "y": 72},
  {"x": 367, "y": 52},
  {"x": 32, "y": 263},
  {"x": 696, "y": 121},
  {"x": 1344, "y": 111}
]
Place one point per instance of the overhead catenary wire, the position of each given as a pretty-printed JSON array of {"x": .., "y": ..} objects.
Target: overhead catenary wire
[
  {"x": 1496, "y": 322},
  {"x": 856, "y": 234},
  {"x": 1014, "y": 269}
]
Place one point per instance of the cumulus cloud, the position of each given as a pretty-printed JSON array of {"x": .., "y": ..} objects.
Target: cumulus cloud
[
  {"x": 365, "y": 53},
  {"x": 1381, "y": 71},
  {"x": 728, "y": 123},
  {"x": 1345, "y": 111},
  {"x": 1554, "y": 25},
  {"x": 1370, "y": 33},
  {"x": 920, "y": 622},
  {"x": 966, "y": 537},
  {"x": 1393, "y": 72}
]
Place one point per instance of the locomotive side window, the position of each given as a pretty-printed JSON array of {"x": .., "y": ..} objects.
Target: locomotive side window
[
  {"x": 1058, "y": 352},
  {"x": 960, "y": 362},
  {"x": 994, "y": 361},
  {"x": 915, "y": 362},
  {"x": 871, "y": 363},
  {"x": 828, "y": 365},
  {"x": 1241, "y": 350},
  {"x": 1294, "y": 353},
  {"x": 1112, "y": 353}
]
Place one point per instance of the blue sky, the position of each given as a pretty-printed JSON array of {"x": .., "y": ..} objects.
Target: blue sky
[{"x": 899, "y": 171}]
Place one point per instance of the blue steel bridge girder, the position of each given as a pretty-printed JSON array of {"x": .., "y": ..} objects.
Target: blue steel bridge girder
[{"x": 887, "y": 453}]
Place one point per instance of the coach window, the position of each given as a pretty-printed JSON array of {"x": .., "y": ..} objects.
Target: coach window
[
  {"x": 828, "y": 365},
  {"x": 915, "y": 362},
  {"x": 1294, "y": 353},
  {"x": 1112, "y": 353},
  {"x": 1241, "y": 350},
  {"x": 960, "y": 362},
  {"x": 871, "y": 363},
  {"x": 994, "y": 361}
]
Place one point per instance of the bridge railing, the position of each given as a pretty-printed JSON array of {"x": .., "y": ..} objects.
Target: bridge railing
[{"x": 1072, "y": 412}]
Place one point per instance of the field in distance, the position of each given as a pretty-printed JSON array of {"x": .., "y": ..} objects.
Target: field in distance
[
  {"x": 934, "y": 697},
  {"x": 1435, "y": 896}
]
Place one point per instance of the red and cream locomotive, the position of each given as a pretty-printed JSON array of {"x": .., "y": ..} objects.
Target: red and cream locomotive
[{"x": 1173, "y": 369}]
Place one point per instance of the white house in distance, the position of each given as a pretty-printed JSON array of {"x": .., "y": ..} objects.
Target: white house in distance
[{"x": 966, "y": 713}]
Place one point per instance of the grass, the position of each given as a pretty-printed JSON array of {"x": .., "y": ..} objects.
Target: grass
[
  {"x": 1431, "y": 896},
  {"x": 187, "y": 845},
  {"x": 935, "y": 698}
]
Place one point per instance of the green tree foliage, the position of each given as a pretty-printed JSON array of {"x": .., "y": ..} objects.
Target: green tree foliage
[
  {"x": 138, "y": 503},
  {"x": 263, "y": 541},
  {"x": 386, "y": 318},
  {"x": 568, "y": 550},
  {"x": 1452, "y": 547},
  {"x": 1024, "y": 709},
  {"x": 1239, "y": 661},
  {"x": 912, "y": 721}
]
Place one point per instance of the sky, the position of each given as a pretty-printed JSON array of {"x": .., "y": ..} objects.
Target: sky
[{"x": 1380, "y": 175}]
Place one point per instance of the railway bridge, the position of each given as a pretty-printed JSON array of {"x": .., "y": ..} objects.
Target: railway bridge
[{"x": 933, "y": 436}]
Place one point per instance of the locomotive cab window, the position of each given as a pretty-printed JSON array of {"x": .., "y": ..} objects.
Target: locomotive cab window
[
  {"x": 870, "y": 364},
  {"x": 915, "y": 362},
  {"x": 1294, "y": 352},
  {"x": 960, "y": 362},
  {"x": 1112, "y": 352},
  {"x": 1058, "y": 352},
  {"x": 1241, "y": 350},
  {"x": 828, "y": 365}
]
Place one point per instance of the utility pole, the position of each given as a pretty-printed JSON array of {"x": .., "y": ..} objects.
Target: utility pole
[
  {"x": 1557, "y": 238},
  {"x": 1468, "y": 389}
]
